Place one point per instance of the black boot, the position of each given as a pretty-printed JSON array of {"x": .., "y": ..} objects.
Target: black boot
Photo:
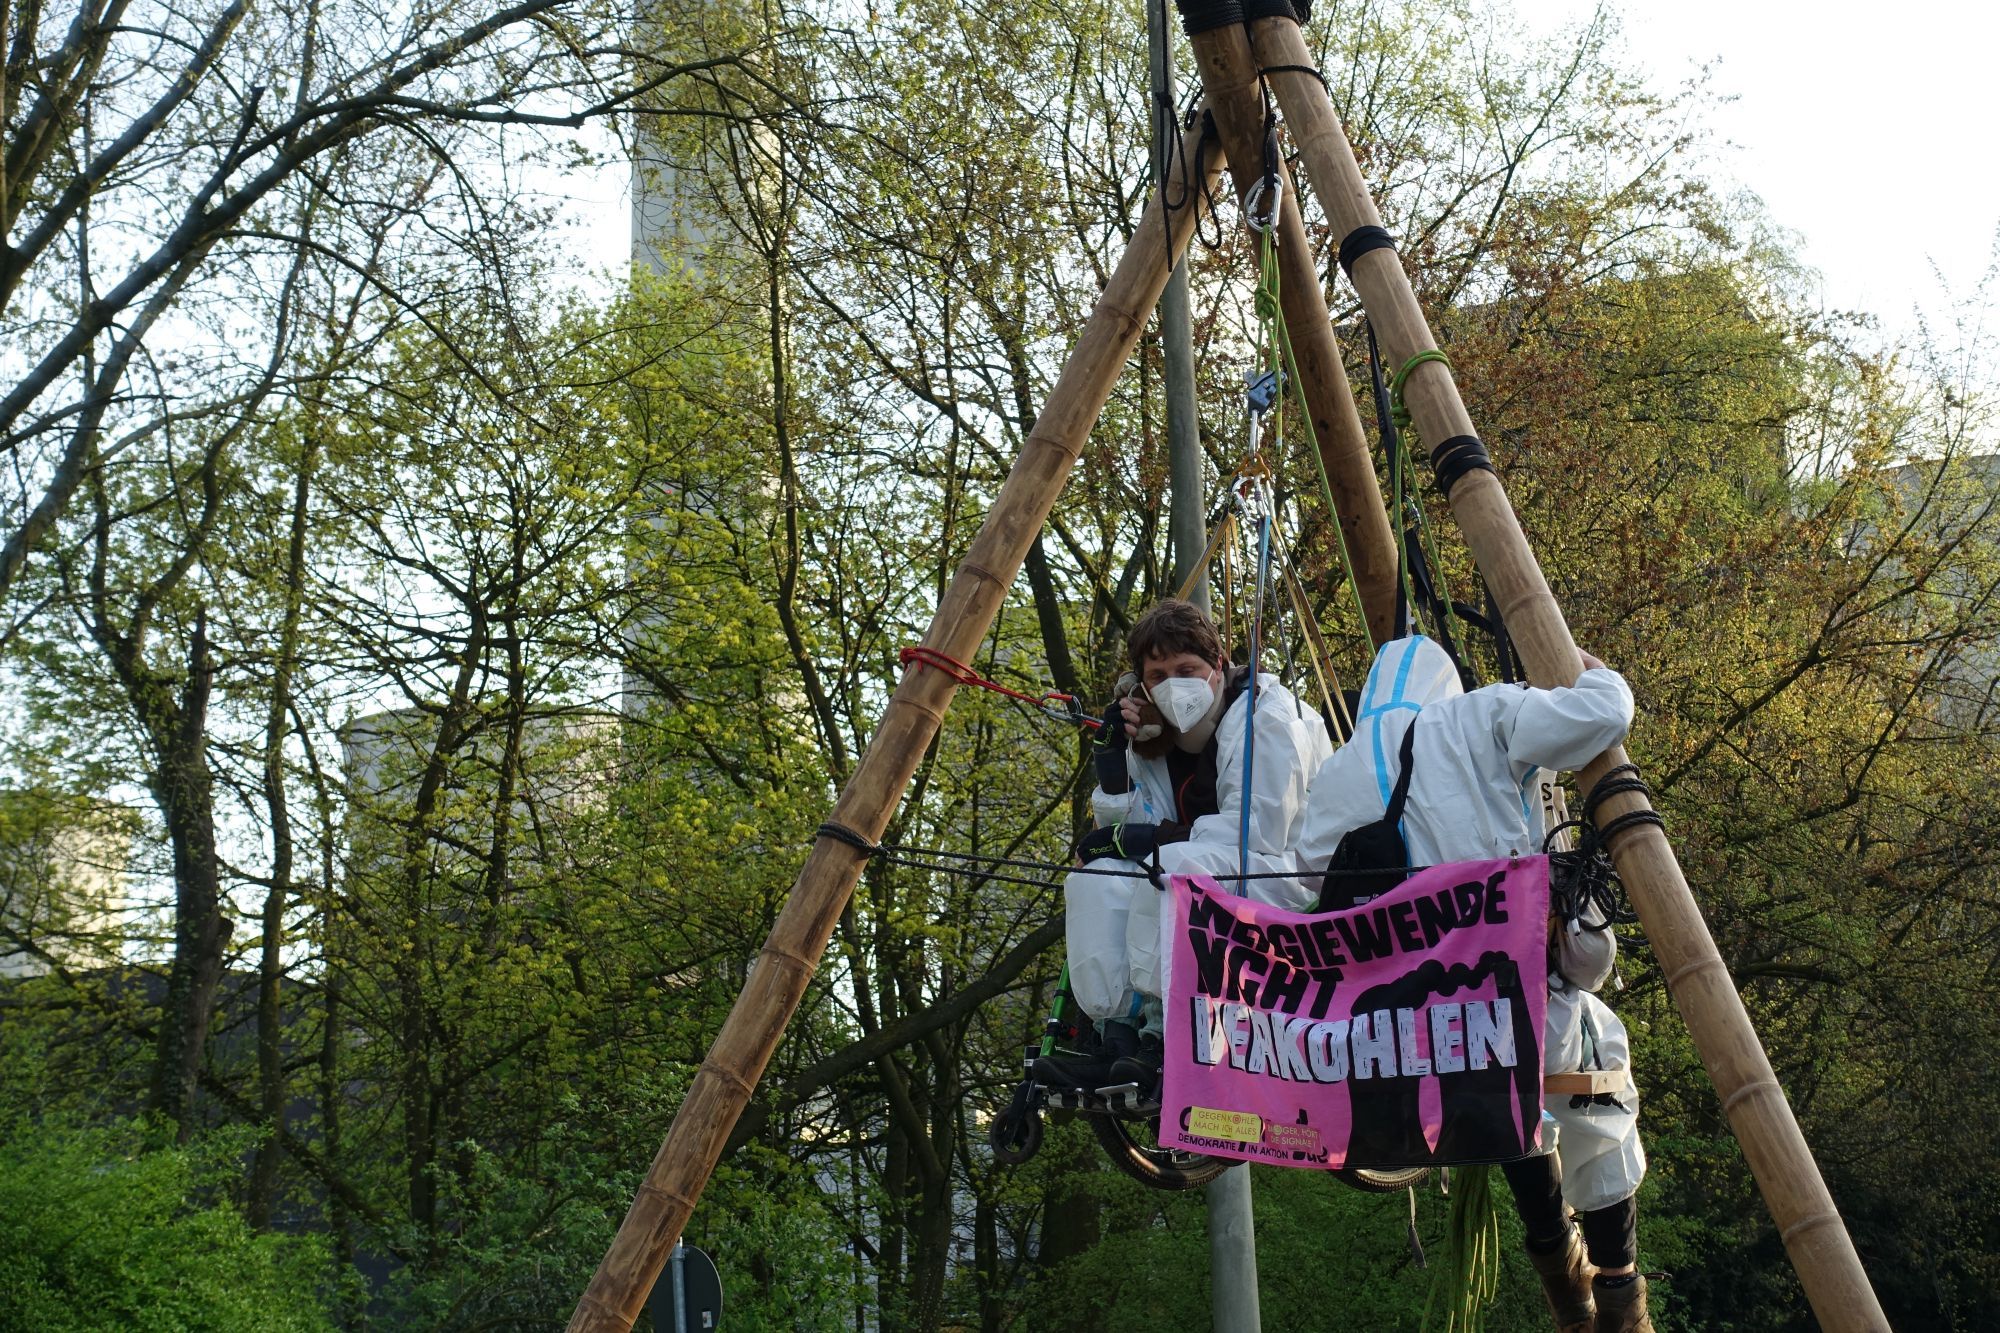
[
  {"x": 1140, "y": 1064},
  {"x": 1117, "y": 1041}
]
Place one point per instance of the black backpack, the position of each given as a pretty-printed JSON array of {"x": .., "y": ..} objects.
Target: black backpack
[{"x": 1371, "y": 859}]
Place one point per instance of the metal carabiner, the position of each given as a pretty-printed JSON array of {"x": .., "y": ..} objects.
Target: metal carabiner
[{"x": 1263, "y": 222}]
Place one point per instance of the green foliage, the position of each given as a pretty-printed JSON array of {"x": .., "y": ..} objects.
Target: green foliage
[
  {"x": 105, "y": 1228},
  {"x": 602, "y": 603}
]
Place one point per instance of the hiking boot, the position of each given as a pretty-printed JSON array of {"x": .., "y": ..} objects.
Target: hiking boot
[
  {"x": 1141, "y": 1066},
  {"x": 1085, "y": 1073},
  {"x": 1119, "y": 1042},
  {"x": 1622, "y": 1309},
  {"x": 1566, "y": 1274}
]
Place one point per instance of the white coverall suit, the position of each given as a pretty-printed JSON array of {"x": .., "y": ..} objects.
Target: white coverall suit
[
  {"x": 1478, "y": 761},
  {"x": 1113, "y": 920}
]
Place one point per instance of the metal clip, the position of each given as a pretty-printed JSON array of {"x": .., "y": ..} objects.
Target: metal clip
[
  {"x": 1068, "y": 708},
  {"x": 1262, "y": 222}
]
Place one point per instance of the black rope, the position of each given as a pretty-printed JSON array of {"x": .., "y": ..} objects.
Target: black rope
[
  {"x": 1457, "y": 456},
  {"x": 842, "y": 833},
  {"x": 1298, "y": 13},
  {"x": 1297, "y": 69},
  {"x": 1413, "y": 564},
  {"x": 1620, "y": 781},
  {"x": 984, "y": 876},
  {"x": 1585, "y": 879},
  {"x": 1424, "y": 583},
  {"x": 1511, "y": 668},
  {"x": 1173, "y": 148},
  {"x": 1200, "y": 16},
  {"x": 1359, "y": 242},
  {"x": 980, "y": 863},
  {"x": 1583, "y": 883},
  {"x": 1208, "y": 134}
]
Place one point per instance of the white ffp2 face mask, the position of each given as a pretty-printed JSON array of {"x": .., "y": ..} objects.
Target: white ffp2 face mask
[{"x": 1185, "y": 700}]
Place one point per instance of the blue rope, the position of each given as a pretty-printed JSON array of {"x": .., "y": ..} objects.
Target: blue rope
[{"x": 1256, "y": 651}]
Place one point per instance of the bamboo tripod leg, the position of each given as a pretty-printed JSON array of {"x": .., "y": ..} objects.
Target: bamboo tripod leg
[
  {"x": 1230, "y": 84},
  {"x": 1758, "y": 1112},
  {"x": 723, "y": 1085}
]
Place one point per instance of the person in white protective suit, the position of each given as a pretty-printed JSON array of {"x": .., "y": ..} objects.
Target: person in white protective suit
[
  {"x": 1476, "y": 765},
  {"x": 1173, "y": 790}
]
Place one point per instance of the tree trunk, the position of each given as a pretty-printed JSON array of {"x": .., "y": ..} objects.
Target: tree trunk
[
  {"x": 270, "y": 965},
  {"x": 1072, "y": 1224},
  {"x": 418, "y": 1088},
  {"x": 184, "y": 789}
]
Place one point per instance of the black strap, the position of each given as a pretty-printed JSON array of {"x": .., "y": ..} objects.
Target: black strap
[
  {"x": 1424, "y": 583},
  {"x": 1209, "y": 134},
  {"x": 1457, "y": 456},
  {"x": 1385, "y": 427},
  {"x": 1359, "y": 242},
  {"x": 1404, "y": 756}
]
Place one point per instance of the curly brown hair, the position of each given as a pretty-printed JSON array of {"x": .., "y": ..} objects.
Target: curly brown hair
[{"x": 1172, "y": 627}]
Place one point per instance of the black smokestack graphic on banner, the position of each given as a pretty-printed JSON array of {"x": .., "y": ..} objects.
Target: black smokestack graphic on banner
[{"x": 1404, "y": 1032}]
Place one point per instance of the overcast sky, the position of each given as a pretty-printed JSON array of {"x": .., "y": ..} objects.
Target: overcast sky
[{"x": 1868, "y": 131}]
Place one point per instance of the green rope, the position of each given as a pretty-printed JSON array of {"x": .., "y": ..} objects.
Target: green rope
[
  {"x": 1399, "y": 413},
  {"x": 1469, "y": 1278},
  {"x": 1271, "y": 311}
]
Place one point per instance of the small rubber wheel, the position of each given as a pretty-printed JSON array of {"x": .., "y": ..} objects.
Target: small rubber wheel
[{"x": 1015, "y": 1135}]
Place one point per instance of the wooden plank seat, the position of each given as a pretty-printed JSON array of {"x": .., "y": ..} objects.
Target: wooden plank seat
[{"x": 1585, "y": 1083}]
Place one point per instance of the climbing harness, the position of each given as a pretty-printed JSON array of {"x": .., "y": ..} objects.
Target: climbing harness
[{"x": 1054, "y": 704}]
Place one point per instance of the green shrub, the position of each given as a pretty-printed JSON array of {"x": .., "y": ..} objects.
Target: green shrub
[{"x": 103, "y": 1228}]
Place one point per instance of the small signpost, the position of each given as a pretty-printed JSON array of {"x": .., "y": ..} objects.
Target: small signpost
[{"x": 688, "y": 1296}]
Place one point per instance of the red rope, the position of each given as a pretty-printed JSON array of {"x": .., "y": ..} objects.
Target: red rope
[{"x": 1055, "y": 704}]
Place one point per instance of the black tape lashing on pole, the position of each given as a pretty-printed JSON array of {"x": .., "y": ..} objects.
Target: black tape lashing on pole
[
  {"x": 1457, "y": 456},
  {"x": 1277, "y": 9},
  {"x": 1359, "y": 242},
  {"x": 1200, "y": 16}
]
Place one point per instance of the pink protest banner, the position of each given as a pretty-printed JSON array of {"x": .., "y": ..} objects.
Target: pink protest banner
[{"x": 1405, "y": 1032}]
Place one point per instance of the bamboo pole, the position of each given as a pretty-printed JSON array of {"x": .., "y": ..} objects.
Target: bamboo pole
[
  {"x": 1758, "y": 1112},
  {"x": 777, "y": 983},
  {"x": 1230, "y": 85}
]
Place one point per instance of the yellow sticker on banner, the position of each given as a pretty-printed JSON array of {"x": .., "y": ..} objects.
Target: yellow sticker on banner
[{"x": 1232, "y": 1126}]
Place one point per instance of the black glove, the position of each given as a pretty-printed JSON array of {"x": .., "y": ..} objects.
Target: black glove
[
  {"x": 1109, "y": 752},
  {"x": 1129, "y": 842}
]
